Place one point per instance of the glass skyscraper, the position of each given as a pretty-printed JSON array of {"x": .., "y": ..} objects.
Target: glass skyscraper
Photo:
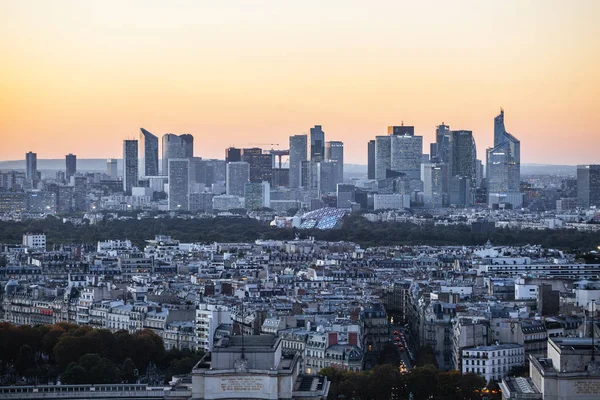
[
  {"x": 298, "y": 154},
  {"x": 504, "y": 166},
  {"x": 130, "y": 165},
  {"x": 148, "y": 153}
]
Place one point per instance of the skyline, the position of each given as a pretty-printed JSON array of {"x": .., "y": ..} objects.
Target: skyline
[{"x": 262, "y": 73}]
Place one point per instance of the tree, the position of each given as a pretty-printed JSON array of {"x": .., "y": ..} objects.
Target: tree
[
  {"x": 128, "y": 371},
  {"x": 73, "y": 375},
  {"x": 25, "y": 359}
]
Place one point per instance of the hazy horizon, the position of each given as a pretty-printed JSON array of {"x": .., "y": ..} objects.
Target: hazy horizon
[{"x": 79, "y": 77}]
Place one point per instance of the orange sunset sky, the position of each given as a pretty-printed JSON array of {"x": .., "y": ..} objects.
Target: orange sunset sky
[{"x": 81, "y": 76}]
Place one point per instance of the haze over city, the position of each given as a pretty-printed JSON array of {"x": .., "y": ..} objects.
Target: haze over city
[{"x": 81, "y": 76}]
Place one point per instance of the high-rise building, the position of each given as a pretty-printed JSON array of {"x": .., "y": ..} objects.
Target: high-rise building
[
  {"x": 401, "y": 130},
  {"x": 317, "y": 144},
  {"x": 257, "y": 195},
  {"x": 407, "y": 155},
  {"x": 176, "y": 146},
  {"x": 148, "y": 154},
  {"x": 441, "y": 145},
  {"x": 233, "y": 154},
  {"x": 298, "y": 154},
  {"x": 588, "y": 185},
  {"x": 261, "y": 164},
  {"x": 345, "y": 195},
  {"x": 238, "y": 173},
  {"x": 130, "y": 165},
  {"x": 383, "y": 156},
  {"x": 326, "y": 175},
  {"x": 371, "y": 159},
  {"x": 71, "y": 165},
  {"x": 31, "y": 166},
  {"x": 504, "y": 167},
  {"x": 435, "y": 185},
  {"x": 334, "y": 151},
  {"x": 179, "y": 183},
  {"x": 111, "y": 168}
]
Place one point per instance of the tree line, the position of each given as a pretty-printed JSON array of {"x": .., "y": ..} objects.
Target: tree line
[
  {"x": 80, "y": 355},
  {"x": 355, "y": 228},
  {"x": 386, "y": 382}
]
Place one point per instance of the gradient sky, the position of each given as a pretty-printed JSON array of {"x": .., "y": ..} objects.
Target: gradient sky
[{"x": 81, "y": 76}]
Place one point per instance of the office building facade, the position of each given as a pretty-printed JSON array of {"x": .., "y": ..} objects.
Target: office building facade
[
  {"x": 130, "y": 165},
  {"x": 588, "y": 185},
  {"x": 148, "y": 152},
  {"x": 334, "y": 151},
  {"x": 31, "y": 166},
  {"x": 406, "y": 155},
  {"x": 316, "y": 152},
  {"x": 238, "y": 173},
  {"x": 504, "y": 166},
  {"x": 70, "y": 166},
  {"x": 383, "y": 156},
  {"x": 371, "y": 159},
  {"x": 176, "y": 146},
  {"x": 298, "y": 154},
  {"x": 179, "y": 183}
]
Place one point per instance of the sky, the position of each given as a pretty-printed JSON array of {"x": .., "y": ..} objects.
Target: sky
[{"x": 81, "y": 76}]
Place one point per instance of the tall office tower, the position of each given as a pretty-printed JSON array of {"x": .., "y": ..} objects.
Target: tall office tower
[
  {"x": 327, "y": 176},
  {"x": 345, "y": 195},
  {"x": 588, "y": 185},
  {"x": 71, "y": 165},
  {"x": 479, "y": 175},
  {"x": 111, "y": 168},
  {"x": 31, "y": 166},
  {"x": 148, "y": 154},
  {"x": 401, "y": 130},
  {"x": 504, "y": 167},
  {"x": 334, "y": 151},
  {"x": 317, "y": 144},
  {"x": 435, "y": 185},
  {"x": 179, "y": 183},
  {"x": 463, "y": 164},
  {"x": 174, "y": 146},
  {"x": 442, "y": 144},
  {"x": 383, "y": 156},
  {"x": 130, "y": 165},
  {"x": 257, "y": 195},
  {"x": 407, "y": 155},
  {"x": 233, "y": 154},
  {"x": 371, "y": 159},
  {"x": 261, "y": 164},
  {"x": 238, "y": 173},
  {"x": 298, "y": 154}
]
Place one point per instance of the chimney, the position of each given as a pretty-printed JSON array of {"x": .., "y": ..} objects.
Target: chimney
[
  {"x": 353, "y": 338},
  {"x": 333, "y": 338}
]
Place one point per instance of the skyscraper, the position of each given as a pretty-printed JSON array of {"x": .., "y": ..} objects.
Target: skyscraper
[
  {"x": 71, "y": 165},
  {"x": 31, "y": 166},
  {"x": 317, "y": 144},
  {"x": 442, "y": 144},
  {"x": 371, "y": 159},
  {"x": 176, "y": 146},
  {"x": 233, "y": 154},
  {"x": 257, "y": 195},
  {"x": 130, "y": 165},
  {"x": 588, "y": 185},
  {"x": 238, "y": 173},
  {"x": 334, "y": 151},
  {"x": 148, "y": 154},
  {"x": 407, "y": 155},
  {"x": 463, "y": 156},
  {"x": 504, "y": 166},
  {"x": 111, "y": 168},
  {"x": 401, "y": 130},
  {"x": 383, "y": 156},
  {"x": 435, "y": 185},
  {"x": 179, "y": 183},
  {"x": 261, "y": 164},
  {"x": 298, "y": 154}
]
